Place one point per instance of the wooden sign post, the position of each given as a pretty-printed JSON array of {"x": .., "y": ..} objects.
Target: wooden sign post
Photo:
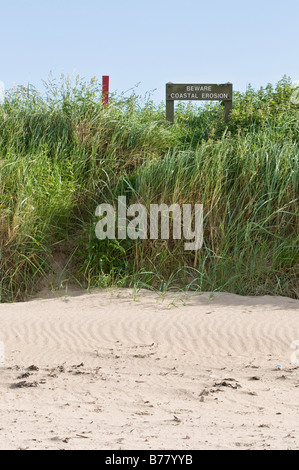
[
  {"x": 198, "y": 92},
  {"x": 105, "y": 90}
]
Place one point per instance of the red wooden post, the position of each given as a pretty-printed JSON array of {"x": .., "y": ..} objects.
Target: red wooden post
[{"x": 105, "y": 90}]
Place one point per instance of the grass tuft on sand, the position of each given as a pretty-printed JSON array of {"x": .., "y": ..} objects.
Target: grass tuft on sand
[{"x": 62, "y": 154}]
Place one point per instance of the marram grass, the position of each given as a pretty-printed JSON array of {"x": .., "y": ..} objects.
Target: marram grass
[{"x": 63, "y": 154}]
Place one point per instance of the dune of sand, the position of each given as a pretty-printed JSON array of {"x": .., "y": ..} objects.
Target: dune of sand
[{"x": 111, "y": 370}]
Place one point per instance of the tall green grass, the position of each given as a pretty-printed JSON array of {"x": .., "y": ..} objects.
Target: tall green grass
[{"x": 62, "y": 154}]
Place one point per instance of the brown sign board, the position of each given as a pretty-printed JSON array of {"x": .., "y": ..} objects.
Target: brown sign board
[{"x": 198, "y": 92}]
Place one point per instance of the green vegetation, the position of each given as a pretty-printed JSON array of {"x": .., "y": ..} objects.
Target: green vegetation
[{"x": 62, "y": 154}]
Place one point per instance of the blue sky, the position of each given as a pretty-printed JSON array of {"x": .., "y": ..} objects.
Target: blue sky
[{"x": 151, "y": 42}]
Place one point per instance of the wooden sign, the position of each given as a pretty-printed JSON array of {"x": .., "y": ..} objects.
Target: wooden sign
[{"x": 198, "y": 92}]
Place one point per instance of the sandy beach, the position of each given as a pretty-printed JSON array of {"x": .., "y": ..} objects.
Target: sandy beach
[{"x": 110, "y": 370}]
